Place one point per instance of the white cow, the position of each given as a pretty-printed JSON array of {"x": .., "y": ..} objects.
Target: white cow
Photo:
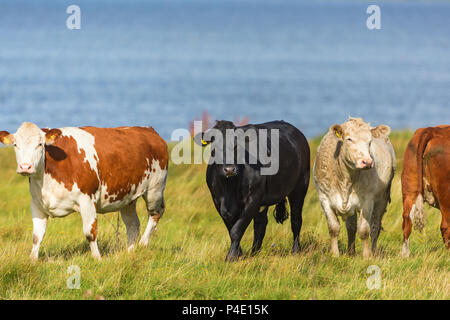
[{"x": 353, "y": 172}]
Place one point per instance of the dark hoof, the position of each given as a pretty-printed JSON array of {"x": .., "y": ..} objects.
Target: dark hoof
[
  {"x": 231, "y": 258},
  {"x": 295, "y": 248},
  {"x": 234, "y": 256},
  {"x": 255, "y": 251}
]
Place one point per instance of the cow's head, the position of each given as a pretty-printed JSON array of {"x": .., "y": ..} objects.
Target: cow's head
[
  {"x": 217, "y": 135},
  {"x": 356, "y": 137},
  {"x": 29, "y": 144}
]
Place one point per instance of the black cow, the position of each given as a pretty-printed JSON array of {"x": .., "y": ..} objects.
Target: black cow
[{"x": 241, "y": 193}]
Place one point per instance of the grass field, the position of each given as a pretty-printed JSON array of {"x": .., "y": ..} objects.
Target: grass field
[{"x": 185, "y": 259}]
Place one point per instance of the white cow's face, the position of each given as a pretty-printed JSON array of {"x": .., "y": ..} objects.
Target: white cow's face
[
  {"x": 357, "y": 137},
  {"x": 29, "y": 144}
]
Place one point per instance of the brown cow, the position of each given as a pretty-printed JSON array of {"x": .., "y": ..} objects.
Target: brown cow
[
  {"x": 426, "y": 177},
  {"x": 91, "y": 170}
]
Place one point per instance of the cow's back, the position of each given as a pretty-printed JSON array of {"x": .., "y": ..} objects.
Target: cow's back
[
  {"x": 385, "y": 162},
  {"x": 293, "y": 145},
  {"x": 409, "y": 173},
  {"x": 435, "y": 157},
  {"x": 324, "y": 177},
  {"x": 294, "y": 160},
  {"x": 435, "y": 169},
  {"x": 128, "y": 158}
]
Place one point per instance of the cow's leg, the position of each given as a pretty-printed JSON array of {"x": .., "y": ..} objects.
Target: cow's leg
[
  {"x": 445, "y": 226},
  {"x": 375, "y": 223},
  {"x": 131, "y": 220},
  {"x": 89, "y": 216},
  {"x": 296, "y": 200},
  {"x": 259, "y": 228},
  {"x": 237, "y": 230},
  {"x": 229, "y": 224},
  {"x": 236, "y": 234},
  {"x": 333, "y": 226},
  {"x": 351, "y": 225},
  {"x": 155, "y": 209},
  {"x": 408, "y": 206},
  {"x": 364, "y": 228},
  {"x": 39, "y": 227}
]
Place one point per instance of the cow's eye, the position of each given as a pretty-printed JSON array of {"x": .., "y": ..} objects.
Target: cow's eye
[{"x": 349, "y": 139}]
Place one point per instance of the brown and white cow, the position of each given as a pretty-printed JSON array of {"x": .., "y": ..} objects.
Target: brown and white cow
[
  {"x": 426, "y": 177},
  {"x": 91, "y": 170},
  {"x": 353, "y": 171}
]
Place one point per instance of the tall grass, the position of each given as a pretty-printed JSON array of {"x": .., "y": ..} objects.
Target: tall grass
[{"x": 185, "y": 259}]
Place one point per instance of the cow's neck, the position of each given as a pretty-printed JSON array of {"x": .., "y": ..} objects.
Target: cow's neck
[
  {"x": 38, "y": 177},
  {"x": 346, "y": 178}
]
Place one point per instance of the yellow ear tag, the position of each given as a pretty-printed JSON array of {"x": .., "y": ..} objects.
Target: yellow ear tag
[
  {"x": 6, "y": 140},
  {"x": 338, "y": 135},
  {"x": 52, "y": 137},
  {"x": 204, "y": 142}
]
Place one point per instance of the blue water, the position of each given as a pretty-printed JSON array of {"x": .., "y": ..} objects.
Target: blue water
[{"x": 160, "y": 63}]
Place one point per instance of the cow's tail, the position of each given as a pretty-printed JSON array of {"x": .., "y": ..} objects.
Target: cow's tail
[
  {"x": 418, "y": 209},
  {"x": 418, "y": 213},
  {"x": 280, "y": 213}
]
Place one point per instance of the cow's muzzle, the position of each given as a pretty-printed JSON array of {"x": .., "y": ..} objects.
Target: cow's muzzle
[
  {"x": 365, "y": 163},
  {"x": 229, "y": 171},
  {"x": 25, "y": 169}
]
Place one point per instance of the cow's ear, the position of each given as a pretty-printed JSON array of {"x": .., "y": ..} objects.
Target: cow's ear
[
  {"x": 51, "y": 135},
  {"x": 198, "y": 139},
  {"x": 6, "y": 137},
  {"x": 205, "y": 143},
  {"x": 337, "y": 130},
  {"x": 381, "y": 130}
]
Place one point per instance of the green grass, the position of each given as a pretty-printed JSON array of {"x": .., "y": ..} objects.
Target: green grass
[{"x": 185, "y": 259}]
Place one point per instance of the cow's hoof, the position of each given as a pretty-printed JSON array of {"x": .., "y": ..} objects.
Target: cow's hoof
[
  {"x": 34, "y": 258},
  {"x": 97, "y": 257},
  {"x": 404, "y": 253},
  {"x": 295, "y": 250},
  {"x": 231, "y": 258},
  {"x": 334, "y": 253},
  {"x": 143, "y": 243}
]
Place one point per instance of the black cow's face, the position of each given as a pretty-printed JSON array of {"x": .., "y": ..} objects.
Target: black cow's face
[{"x": 228, "y": 168}]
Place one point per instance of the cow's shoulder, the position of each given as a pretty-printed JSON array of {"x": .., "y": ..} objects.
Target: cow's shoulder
[
  {"x": 327, "y": 152},
  {"x": 72, "y": 161},
  {"x": 129, "y": 144},
  {"x": 383, "y": 150}
]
